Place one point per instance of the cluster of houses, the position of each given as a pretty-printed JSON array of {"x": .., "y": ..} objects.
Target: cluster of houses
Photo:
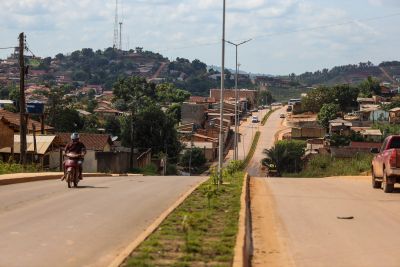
[
  {"x": 45, "y": 147},
  {"x": 370, "y": 111},
  {"x": 200, "y": 125}
]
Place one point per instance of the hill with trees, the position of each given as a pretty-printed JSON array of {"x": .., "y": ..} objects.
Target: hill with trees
[
  {"x": 105, "y": 67},
  {"x": 350, "y": 74}
]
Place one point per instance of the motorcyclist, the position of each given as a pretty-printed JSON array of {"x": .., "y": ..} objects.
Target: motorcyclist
[{"x": 77, "y": 147}]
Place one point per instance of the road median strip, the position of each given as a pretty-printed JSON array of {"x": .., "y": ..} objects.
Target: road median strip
[{"x": 199, "y": 231}]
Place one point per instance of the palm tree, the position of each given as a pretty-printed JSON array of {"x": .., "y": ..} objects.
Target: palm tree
[{"x": 277, "y": 156}]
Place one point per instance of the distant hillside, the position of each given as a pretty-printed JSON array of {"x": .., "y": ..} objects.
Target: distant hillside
[
  {"x": 351, "y": 74},
  {"x": 105, "y": 67}
]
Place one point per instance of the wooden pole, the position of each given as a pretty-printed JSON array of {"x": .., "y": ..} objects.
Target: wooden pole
[
  {"x": 22, "y": 106},
  {"x": 34, "y": 143}
]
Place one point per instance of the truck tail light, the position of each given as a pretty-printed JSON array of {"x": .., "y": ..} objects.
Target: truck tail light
[{"x": 393, "y": 158}]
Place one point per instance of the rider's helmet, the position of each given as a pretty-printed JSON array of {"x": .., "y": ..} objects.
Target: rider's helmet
[{"x": 74, "y": 136}]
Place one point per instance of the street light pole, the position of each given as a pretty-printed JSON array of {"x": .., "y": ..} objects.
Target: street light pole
[
  {"x": 221, "y": 115},
  {"x": 236, "y": 150}
]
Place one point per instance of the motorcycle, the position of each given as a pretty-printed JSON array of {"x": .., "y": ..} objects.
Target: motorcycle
[{"x": 71, "y": 169}]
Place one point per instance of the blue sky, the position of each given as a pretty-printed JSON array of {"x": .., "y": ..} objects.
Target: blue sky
[{"x": 288, "y": 35}]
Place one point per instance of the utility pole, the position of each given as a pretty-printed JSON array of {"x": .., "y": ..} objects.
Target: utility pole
[
  {"x": 236, "y": 150},
  {"x": 22, "y": 104},
  {"x": 221, "y": 115}
]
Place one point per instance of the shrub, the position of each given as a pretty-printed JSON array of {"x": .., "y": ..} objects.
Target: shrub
[
  {"x": 234, "y": 166},
  {"x": 195, "y": 158},
  {"x": 285, "y": 156},
  {"x": 325, "y": 166},
  {"x": 149, "y": 170}
]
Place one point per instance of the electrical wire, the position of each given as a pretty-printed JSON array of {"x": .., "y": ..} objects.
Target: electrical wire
[
  {"x": 10, "y": 47},
  {"x": 258, "y": 37}
]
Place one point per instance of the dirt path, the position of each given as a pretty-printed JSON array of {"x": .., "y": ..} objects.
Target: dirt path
[
  {"x": 387, "y": 75},
  {"x": 158, "y": 72}
]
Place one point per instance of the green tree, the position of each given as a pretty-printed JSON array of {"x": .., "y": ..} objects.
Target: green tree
[
  {"x": 68, "y": 121},
  {"x": 91, "y": 105},
  {"x": 168, "y": 93},
  {"x": 90, "y": 124},
  {"x": 286, "y": 156},
  {"x": 316, "y": 98},
  {"x": 345, "y": 96},
  {"x": 265, "y": 98},
  {"x": 370, "y": 87},
  {"x": 193, "y": 157},
  {"x": 275, "y": 156},
  {"x": 137, "y": 94},
  {"x": 175, "y": 111},
  {"x": 153, "y": 129},
  {"x": 328, "y": 112},
  {"x": 113, "y": 126},
  {"x": 4, "y": 93}
]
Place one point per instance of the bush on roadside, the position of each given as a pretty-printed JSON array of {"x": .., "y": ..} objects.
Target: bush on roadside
[
  {"x": 234, "y": 166},
  {"x": 6, "y": 168},
  {"x": 326, "y": 166},
  {"x": 195, "y": 158},
  {"x": 285, "y": 156},
  {"x": 149, "y": 170}
]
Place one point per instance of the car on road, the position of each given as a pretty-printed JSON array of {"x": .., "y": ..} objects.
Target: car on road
[
  {"x": 254, "y": 119},
  {"x": 385, "y": 166},
  {"x": 282, "y": 116}
]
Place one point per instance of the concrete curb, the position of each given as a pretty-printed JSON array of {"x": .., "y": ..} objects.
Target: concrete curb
[
  {"x": 121, "y": 257},
  {"x": 243, "y": 244},
  {"x": 38, "y": 177}
]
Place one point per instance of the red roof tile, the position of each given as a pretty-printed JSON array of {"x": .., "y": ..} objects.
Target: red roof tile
[
  {"x": 95, "y": 142},
  {"x": 14, "y": 120}
]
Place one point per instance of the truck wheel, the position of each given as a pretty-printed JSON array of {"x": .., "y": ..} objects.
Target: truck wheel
[
  {"x": 375, "y": 183},
  {"x": 387, "y": 188}
]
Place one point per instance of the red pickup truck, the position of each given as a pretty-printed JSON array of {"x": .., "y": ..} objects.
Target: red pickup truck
[{"x": 386, "y": 164}]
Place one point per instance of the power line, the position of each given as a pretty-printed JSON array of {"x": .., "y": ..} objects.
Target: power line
[
  {"x": 349, "y": 22},
  {"x": 10, "y": 47}
]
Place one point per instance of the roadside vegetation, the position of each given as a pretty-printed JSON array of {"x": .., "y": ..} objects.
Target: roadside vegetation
[
  {"x": 326, "y": 166},
  {"x": 201, "y": 231},
  {"x": 285, "y": 156},
  {"x": 253, "y": 147},
  {"x": 264, "y": 120},
  {"x": 7, "y": 168}
]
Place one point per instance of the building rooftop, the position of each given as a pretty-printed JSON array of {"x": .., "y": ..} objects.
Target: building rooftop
[{"x": 95, "y": 142}]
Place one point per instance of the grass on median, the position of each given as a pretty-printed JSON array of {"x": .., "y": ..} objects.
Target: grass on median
[
  {"x": 326, "y": 166},
  {"x": 252, "y": 149},
  {"x": 264, "y": 120},
  {"x": 200, "y": 232}
]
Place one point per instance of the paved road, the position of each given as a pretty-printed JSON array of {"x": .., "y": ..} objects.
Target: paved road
[
  {"x": 45, "y": 224},
  {"x": 267, "y": 140},
  {"x": 304, "y": 230}
]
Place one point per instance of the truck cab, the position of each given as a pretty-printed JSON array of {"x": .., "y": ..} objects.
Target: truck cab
[{"x": 385, "y": 166}]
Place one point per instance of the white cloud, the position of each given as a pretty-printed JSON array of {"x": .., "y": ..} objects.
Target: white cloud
[{"x": 168, "y": 25}]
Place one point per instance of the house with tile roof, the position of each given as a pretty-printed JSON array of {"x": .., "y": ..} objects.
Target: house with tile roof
[{"x": 14, "y": 121}]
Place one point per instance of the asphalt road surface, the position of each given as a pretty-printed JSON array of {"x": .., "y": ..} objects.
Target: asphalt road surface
[
  {"x": 46, "y": 224},
  {"x": 303, "y": 228},
  {"x": 267, "y": 140}
]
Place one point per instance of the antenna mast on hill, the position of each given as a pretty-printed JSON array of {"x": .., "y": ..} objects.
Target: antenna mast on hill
[
  {"x": 115, "y": 42},
  {"x": 120, "y": 36}
]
